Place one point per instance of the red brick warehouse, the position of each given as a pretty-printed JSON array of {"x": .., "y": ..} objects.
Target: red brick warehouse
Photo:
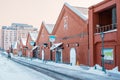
[
  {"x": 30, "y": 44},
  {"x": 105, "y": 17},
  {"x": 43, "y": 42},
  {"x": 71, "y": 31},
  {"x": 22, "y": 47}
]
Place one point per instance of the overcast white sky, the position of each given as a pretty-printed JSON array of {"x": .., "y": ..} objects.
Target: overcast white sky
[{"x": 33, "y": 12}]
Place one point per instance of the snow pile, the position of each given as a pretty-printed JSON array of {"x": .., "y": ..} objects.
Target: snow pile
[
  {"x": 114, "y": 72},
  {"x": 65, "y": 65},
  {"x": 11, "y": 54},
  {"x": 4, "y": 54},
  {"x": 97, "y": 69}
]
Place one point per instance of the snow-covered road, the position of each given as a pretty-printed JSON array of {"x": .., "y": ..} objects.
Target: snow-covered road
[{"x": 10, "y": 70}]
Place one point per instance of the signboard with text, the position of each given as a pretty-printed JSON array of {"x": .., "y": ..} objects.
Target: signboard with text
[
  {"x": 108, "y": 55},
  {"x": 52, "y": 38},
  {"x": 32, "y": 43}
]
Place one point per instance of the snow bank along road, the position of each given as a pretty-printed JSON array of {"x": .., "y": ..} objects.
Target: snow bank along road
[
  {"x": 54, "y": 74},
  {"x": 61, "y": 73}
]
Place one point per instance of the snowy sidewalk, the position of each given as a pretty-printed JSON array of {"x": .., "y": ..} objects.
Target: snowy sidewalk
[{"x": 76, "y": 71}]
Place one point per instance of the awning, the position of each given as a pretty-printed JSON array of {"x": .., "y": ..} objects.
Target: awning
[
  {"x": 55, "y": 45},
  {"x": 34, "y": 47}
]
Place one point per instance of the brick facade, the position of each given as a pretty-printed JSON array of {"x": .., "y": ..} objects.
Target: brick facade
[
  {"x": 30, "y": 43},
  {"x": 104, "y": 17},
  {"x": 72, "y": 31},
  {"x": 43, "y": 42}
]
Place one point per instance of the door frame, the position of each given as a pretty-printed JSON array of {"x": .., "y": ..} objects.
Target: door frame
[
  {"x": 75, "y": 57},
  {"x": 60, "y": 50},
  {"x": 43, "y": 55}
]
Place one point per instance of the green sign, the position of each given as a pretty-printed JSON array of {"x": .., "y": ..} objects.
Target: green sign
[
  {"x": 52, "y": 38},
  {"x": 108, "y": 54},
  {"x": 32, "y": 43}
]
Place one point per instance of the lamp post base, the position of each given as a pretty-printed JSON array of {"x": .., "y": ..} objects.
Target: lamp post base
[{"x": 103, "y": 69}]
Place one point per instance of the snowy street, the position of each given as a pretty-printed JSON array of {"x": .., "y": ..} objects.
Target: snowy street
[
  {"x": 13, "y": 71},
  {"x": 59, "y": 40}
]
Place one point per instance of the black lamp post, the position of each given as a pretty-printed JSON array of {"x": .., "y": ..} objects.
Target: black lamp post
[
  {"x": 11, "y": 49},
  {"x": 102, "y": 54}
]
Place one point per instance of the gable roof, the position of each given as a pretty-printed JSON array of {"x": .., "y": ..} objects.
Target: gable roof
[
  {"x": 23, "y": 40},
  {"x": 80, "y": 11},
  {"x": 49, "y": 27},
  {"x": 39, "y": 33},
  {"x": 33, "y": 35},
  {"x": 14, "y": 45},
  {"x": 84, "y": 11}
]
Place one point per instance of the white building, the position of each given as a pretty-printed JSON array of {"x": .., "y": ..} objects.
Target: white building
[
  {"x": 8, "y": 37},
  {"x": 0, "y": 38},
  {"x": 22, "y": 30}
]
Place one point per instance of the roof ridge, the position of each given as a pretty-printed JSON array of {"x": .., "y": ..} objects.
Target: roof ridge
[
  {"x": 47, "y": 26},
  {"x": 79, "y": 13}
]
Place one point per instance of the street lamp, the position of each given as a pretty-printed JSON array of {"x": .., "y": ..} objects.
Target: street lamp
[
  {"x": 102, "y": 54},
  {"x": 11, "y": 48}
]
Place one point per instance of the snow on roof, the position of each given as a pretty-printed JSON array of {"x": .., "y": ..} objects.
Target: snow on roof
[
  {"x": 83, "y": 10},
  {"x": 34, "y": 35},
  {"x": 55, "y": 45},
  {"x": 14, "y": 45},
  {"x": 24, "y": 41},
  {"x": 49, "y": 27},
  {"x": 80, "y": 11}
]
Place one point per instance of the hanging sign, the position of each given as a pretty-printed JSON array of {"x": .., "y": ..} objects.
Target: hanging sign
[
  {"x": 32, "y": 43},
  {"x": 52, "y": 38}
]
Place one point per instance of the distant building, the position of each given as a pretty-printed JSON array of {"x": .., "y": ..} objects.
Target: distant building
[
  {"x": 21, "y": 47},
  {"x": 8, "y": 37},
  {"x": 13, "y": 33},
  {"x": 22, "y": 30},
  {"x": 0, "y": 38},
  {"x": 30, "y": 43}
]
